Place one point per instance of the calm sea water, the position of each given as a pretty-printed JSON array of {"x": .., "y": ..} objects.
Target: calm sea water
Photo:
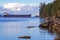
[{"x": 11, "y": 28}]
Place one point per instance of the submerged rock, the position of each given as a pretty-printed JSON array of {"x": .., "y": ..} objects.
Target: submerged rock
[
  {"x": 26, "y": 37},
  {"x": 30, "y": 26}
]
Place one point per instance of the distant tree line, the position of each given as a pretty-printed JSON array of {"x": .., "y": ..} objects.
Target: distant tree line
[{"x": 50, "y": 9}]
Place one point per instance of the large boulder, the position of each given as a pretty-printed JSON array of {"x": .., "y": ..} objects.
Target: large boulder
[{"x": 44, "y": 25}]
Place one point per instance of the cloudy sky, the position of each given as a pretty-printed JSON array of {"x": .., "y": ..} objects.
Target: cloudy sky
[
  {"x": 24, "y": 1},
  {"x": 22, "y": 6}
]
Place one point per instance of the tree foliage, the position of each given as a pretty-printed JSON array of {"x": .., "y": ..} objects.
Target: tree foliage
[{"x": 50, "y": 9}]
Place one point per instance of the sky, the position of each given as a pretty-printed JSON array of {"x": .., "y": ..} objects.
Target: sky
[
  {"x": 22, "y": 6},
  {"x": 24, "y": 1}
]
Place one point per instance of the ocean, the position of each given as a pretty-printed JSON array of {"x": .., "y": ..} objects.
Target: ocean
[{"x": 11, "y": 28}]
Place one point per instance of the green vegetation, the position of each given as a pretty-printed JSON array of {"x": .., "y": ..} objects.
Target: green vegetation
[{"x": 50, "y": 9}]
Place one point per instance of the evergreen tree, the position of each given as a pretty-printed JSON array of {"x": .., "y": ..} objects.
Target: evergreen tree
[{"x": 50, "y": 9}]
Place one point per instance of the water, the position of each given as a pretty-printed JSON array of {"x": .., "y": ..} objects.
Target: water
[{"x": 11, "y": 28}]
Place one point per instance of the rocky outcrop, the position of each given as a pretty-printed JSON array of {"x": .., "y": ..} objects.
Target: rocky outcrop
[
  {"x": 44, "y": 25},
  {"x": 52, "y": 26},
  {"x": 57, "y": 38}
]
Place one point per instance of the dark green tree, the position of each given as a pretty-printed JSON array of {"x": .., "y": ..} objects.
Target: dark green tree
[{"x": 50, "y": 9}]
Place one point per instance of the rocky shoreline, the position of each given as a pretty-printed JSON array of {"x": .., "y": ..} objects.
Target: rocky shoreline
[{"x": 52, "y": 25}]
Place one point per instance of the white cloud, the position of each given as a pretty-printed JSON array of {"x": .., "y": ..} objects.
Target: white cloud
[
  {"x": 21, "y": 8},
  {"x": 13, "y": 6},
  {"x": 17, "y": 6}
]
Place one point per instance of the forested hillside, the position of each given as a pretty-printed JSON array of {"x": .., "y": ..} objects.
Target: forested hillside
[{"x": 50, "y": 9}]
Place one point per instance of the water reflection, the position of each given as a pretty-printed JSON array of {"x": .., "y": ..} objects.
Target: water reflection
[
  {"x": 44, "y": 34},
  {"x": 11, "y": 30},
  {"x": 27, "y": 39},
  {"x": 24, "y": 39}
]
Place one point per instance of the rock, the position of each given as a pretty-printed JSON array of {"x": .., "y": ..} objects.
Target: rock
[
  {"x": 57, "y": 38},
  {"x": 26, "y": 37},
  {"x": 30, "y": 26},
  {"x": 53, "y": 25},
  {"x": 56, "y": 28},
  {"x": 44, "y": 25}
]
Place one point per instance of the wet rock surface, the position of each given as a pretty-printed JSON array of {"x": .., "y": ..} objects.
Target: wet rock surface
[
  {"x": 26, "y": 37},
  {"x": 57, "y": 38},
  {"x": 52, "y": 26},
  {"x": 30, "y": 26}
]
